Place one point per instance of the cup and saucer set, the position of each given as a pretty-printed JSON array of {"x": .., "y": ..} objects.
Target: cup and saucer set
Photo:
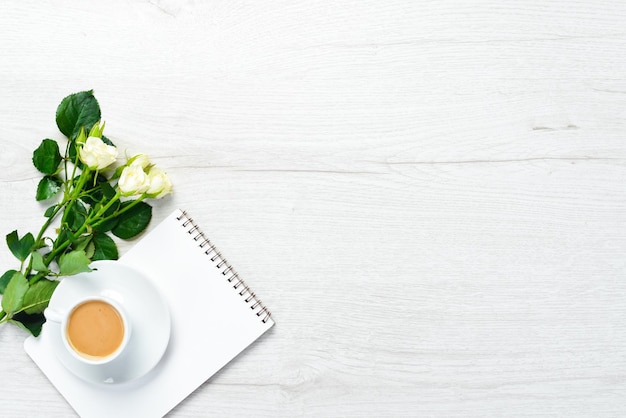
[{"x": 108, "y": 326}]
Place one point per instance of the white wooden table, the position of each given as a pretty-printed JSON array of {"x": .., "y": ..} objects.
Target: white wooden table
[{"x": 430, "y": 196}]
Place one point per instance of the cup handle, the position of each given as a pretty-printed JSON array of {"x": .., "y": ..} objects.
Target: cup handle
[{"x": 52, "y": 315}]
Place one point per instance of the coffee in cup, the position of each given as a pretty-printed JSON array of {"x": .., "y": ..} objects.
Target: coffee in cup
[{"x": 95, "y": 330}]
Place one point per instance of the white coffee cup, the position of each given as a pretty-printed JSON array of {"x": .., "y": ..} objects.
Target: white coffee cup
[{"x": 90, "y": 329}]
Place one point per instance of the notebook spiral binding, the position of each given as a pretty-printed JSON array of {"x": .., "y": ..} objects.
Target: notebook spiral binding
[{"x": 227, "y": 270}]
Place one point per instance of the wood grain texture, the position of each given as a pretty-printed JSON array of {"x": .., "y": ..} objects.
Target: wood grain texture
[{"x": 430, "y": 196}]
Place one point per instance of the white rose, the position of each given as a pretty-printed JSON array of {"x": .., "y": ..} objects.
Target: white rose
[
  {"x": 133, "y": 181},
  {"x": 96, "y": 154},
  {"x": 160, "y": 184},
  {"x": 140, "y": 160}
]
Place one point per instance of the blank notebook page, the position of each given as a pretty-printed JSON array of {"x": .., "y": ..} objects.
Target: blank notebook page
[{"x": 215, "y": 316}]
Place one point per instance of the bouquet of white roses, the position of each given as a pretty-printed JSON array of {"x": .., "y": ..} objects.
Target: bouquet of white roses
[{"x": 94, "y": 199}]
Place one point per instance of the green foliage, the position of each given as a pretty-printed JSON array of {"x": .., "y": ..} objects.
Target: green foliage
[
  {"x": 50, "y": 211},
  {"x": 107, "y": 141},
  {"x": 47, "y": 157},
  {"x": 134, "y": 221},
  {"x": 38, "y": 262},
  {"x": 14, "y": 294},
  {"x": 29, "y": 323},
  {"x": 20, "y": 248},
  {"x": 104, "y": 248},
  {"x": 77, "y": 111},
  {"x": 5, "y": 279},
  {"x": 38, "y": 295},
  {"x": 76, "y": 215},
  {"x": 48, "y": 187},
  {"x": 90, "y": 206},
  {"x": 74, "y": 262}
]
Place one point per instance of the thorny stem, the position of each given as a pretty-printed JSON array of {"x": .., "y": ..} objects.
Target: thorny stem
[
  {"x": 118, "y": 213},
  {"x": 87, "y": 224},
  {"x": 42, "y": 231},
  {"x": 74, "y": 193}
]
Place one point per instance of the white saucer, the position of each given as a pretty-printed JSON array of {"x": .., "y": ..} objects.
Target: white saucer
[{"x": 142, "y": 302}]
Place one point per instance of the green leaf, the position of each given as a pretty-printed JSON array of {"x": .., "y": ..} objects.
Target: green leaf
[
  {"x": 93, "y": 190},
  {"x": 76, "y": 111},
  {"x": 48, "y": 213},
  {"x": 81, "y": 242},
  {"x": 133, "y": 222},
  {"x": 48, "y": 187},
  {"x": 14, "y": 293},
  {"x": 5, "y": 279},
  {"x": 74, "y": 262},
  {"x": 107, "y": 141},
  {"x": 47, "y": 157},
  {"x": 30, "y": 323},
  {"x": 20, "y": 248},
  {"x": 64, "y": 236},
  {"x": 118, "y": 172},
  {"x": 84, "y": 243},
  {"x": 27, "y": 242},
  {"x": 38, "y": 263},
  {"x": 13, "y": 241},
  {"x": 106, "y": 226},
  {"x": 38, "y": 295},
  {"x": 107, "y": 190},
  {"x": 72, "y": 153},
  {"x": 76, "y": 216},
  {"x": 96, "y": 130},
  {"x": 105, "y": 248},
  {"x": 90, "y": 250}
]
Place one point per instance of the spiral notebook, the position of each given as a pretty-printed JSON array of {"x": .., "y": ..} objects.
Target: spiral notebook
[{"x": 215, "y": 315}]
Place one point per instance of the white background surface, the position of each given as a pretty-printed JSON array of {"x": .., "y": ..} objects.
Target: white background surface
[{"x": 430, "y": 196}]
